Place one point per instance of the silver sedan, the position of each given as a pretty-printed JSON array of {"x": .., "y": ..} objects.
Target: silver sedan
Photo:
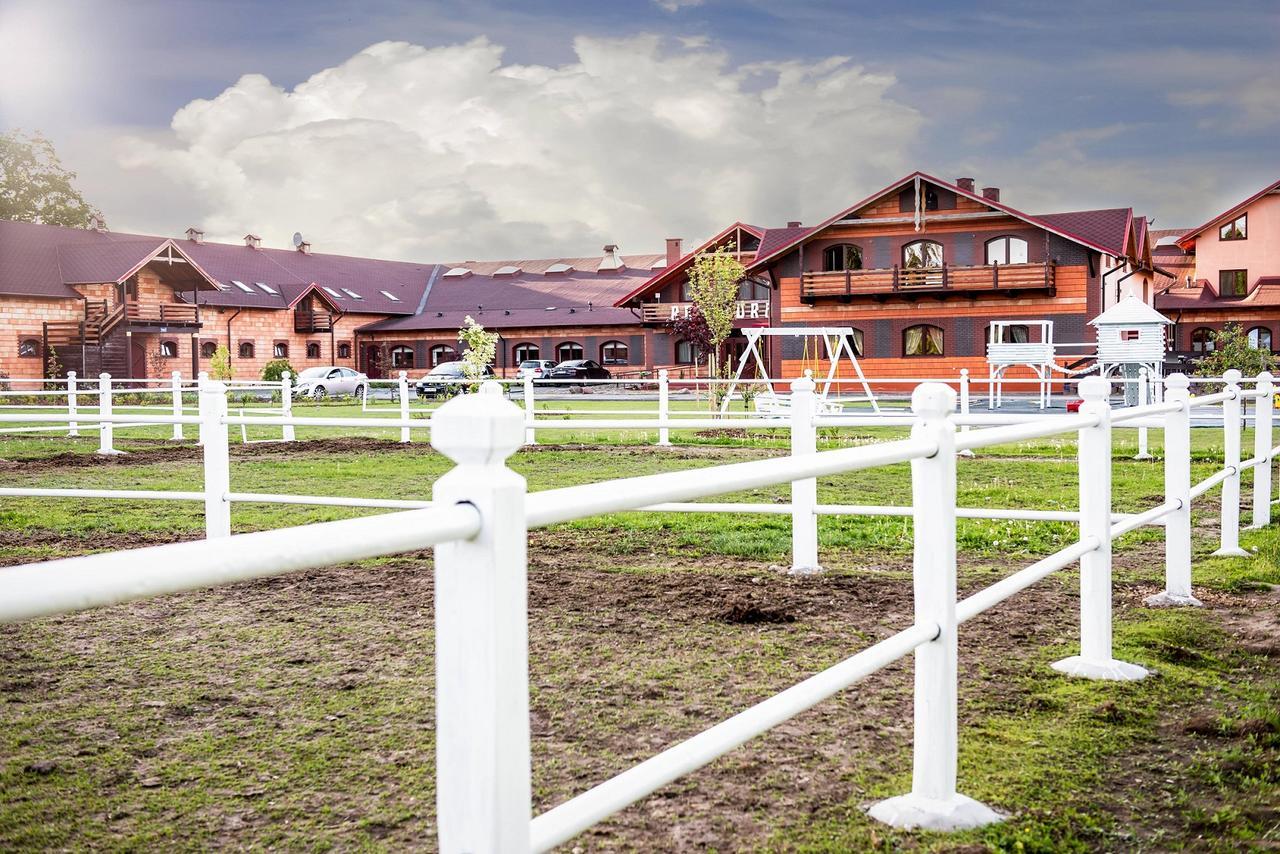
[{"x": 320, "y": 383}]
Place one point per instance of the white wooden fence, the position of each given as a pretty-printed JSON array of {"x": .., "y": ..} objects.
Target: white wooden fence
[{"x": 478, "y": 522}]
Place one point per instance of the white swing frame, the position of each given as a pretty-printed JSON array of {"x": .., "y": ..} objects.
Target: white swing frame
[{"x": 781, "y": 403}]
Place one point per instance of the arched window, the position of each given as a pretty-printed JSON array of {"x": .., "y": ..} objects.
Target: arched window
[
  {"x": 29, "y": 348},
  {"x": 280, "y": 350},
  {"x": 1202, "y": 340},
  {"x": 686, "y": 354},
  {"x": 441, "y": 353},
  {"x": 614, "y": 353},
  {"x": 246, "y": 349},
  {"x": 568, "y": 351},
  {"x": 922, "y": 253},
  {"x": 344, "y": 350},
  {"x": 169, "y": 349},
  {"x": 1260, "y": 338},
  {"x": 922, "y": 340},
  {"x": 845, "y": 256},
  {"x": 402, "y": 357},
  {"x": 1006, "y": 250},
  {"x": 313, "y": 349},
  {"x": 525, "y": 353},
  {"x": 207, "y": 349},
  {"x": 855, "y": 342}
]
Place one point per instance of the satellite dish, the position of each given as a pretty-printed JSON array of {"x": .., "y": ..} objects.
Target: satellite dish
[{"x": 297, "y": 238}]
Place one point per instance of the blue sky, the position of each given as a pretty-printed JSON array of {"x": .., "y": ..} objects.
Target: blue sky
[{"x": 1173, "y": 108}]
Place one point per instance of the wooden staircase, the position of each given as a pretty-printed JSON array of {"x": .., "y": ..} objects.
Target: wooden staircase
[{"x": 91, "y": 346}]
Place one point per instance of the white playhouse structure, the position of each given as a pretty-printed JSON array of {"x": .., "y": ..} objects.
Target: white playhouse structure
[
  {"x": 1130, "y": 337},
  {"x": 833, "y": 345}
]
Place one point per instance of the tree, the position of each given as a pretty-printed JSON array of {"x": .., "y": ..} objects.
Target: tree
[
  {"x": 482, "y": 346},
  {"x": 220, "y": 365},
  {"x": 713, "y": 287},
  {"x": 1231, "y": 349},
  {"x": 273, "y": 371},
  {"x": 35, "y": 186}
]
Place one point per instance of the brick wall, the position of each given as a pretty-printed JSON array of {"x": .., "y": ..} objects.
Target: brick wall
[{"x": 548, "y": 341}]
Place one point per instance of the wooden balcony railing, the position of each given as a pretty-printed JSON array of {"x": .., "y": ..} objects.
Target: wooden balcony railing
[
  {"x": 746, "y": 312},
  {"x": 306, "y": 320},
  {"x": 897, "y": 280},
  {"x": 167, "y": 314}
]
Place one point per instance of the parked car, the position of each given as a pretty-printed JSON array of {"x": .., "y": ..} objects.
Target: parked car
[
  {"x": 320, "y": 383},
  {"x": 536, "y": 368},
  {"x": 579, "y": 369},
  {"x": 445, "y": 379}
]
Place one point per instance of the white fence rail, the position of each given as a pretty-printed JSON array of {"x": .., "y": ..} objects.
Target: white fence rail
[{"x": 478, "y": 521}]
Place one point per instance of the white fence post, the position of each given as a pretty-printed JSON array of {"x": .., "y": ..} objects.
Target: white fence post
[
  {"x": 1177, "y": 487},
  {"x": 964, "y": 405},
  {"x": 483, "y": 798},
  {"x": 404, "y": 405},
  {"x": 1095, "y": 660},
  {"x": 933, "y": 802},
  {"x": 106, "y": 434},
  {"x": 202, "y": 379},
  {"x": 1262, "y": 419},
  {"x": 1144, "y": 397},
  {"x": 1230, "y": 543},
  {"x": 286, "y": 405},
  {"x": 73, "y": 427},
  {"x": 664, "y": 406},
  {"x": 804, "y": 492},
  {"x": 175, "y": 384},
  {"x": 530, "y": 434},
  {"x": 217, "y": 460}
]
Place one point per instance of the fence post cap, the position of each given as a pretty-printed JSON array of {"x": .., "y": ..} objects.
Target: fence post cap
[
  {"x": 403, "y": 374},
  {"x": 1232, "y": 376},
  {"x": 478, "y": 429},
  {"x": 1177, "y": 381},
  {"x": 284, "y": 375},
  {"x": 1265, "y": 377},
  {"x": 1142, "y": 371},
  {"x": 1095, "y": 388},
  {"x": 71, "y": 375},
  {"x": 964, "y": 372},
  {"x": 663, "y": 373},
  {"x": 104, "y": 376},
  {"x": 804, "y": 383},
  {"x": 214, "y": 387},
  {"x": 933, "y": 400}
]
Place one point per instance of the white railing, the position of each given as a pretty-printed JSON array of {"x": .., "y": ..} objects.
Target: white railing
[{"x": 478, "y": 521}]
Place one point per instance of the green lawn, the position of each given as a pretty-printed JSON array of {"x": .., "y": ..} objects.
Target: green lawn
[{"x": 296, "y": 712}]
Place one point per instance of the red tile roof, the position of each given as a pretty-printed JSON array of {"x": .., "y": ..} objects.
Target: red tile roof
[
  {"x": 1203, "y": 295},
  {"x": 1106, "y": 228}
]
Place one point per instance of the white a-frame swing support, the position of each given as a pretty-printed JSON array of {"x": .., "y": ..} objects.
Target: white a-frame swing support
[{"x": 836, "y": 343}]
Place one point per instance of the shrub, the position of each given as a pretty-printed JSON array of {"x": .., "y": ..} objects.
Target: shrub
[
  {"x": 274, "y": 370},
  {"x": 220, "y": 364},
  {"x": 1231, "y": 349}
]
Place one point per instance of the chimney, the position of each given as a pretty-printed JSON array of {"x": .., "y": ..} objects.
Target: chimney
[
  {"x": 195, "y": 235},
  {"x": 97, "y": 223},
  {"x": 965, "y": 184},
  {"x": 304, "y": 247},
  {"x": 253, "y": 241},
  {"x": 674, "y": 253},
  {"x": 612, "y": 260},
  {"x": 793, "y": 223},
  {"x": 991, "y": 193}
]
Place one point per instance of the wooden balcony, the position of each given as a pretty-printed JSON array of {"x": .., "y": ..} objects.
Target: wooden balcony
[
  {"x": 747, "y": 312},
  {"x": 162, "y": 314},
  {"x": 935, "y": 281},
  {"x": 306, "y": 320}
]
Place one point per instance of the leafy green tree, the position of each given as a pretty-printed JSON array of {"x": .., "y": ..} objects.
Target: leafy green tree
[
  {"x": 713, "y": 287},
  {"x": 273, "y": 371},
  {"x": 220, "y": 365},
  {"x": 35, "y": 186},
  {"x": 482, "y": 347},
  {"x": 1231, "y": 349}
]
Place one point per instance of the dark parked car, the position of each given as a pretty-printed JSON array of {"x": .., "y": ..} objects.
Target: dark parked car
[
  {"x": 579, "y": 369},
  {"x": 446, "y": 379}
]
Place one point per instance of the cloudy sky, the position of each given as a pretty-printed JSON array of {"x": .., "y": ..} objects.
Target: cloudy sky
[{"x": 469, "y": 129}]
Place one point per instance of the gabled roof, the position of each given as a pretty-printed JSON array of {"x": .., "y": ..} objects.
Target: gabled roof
[
  {"x": 667, "y": 273},
  {"x": 1040, "y": 221},
  {"x": 1188, "y": 240},
  {"x": 1129, "y": 311}
]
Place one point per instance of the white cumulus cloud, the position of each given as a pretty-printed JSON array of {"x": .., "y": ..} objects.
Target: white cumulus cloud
[{"x": 448, "y": 153}]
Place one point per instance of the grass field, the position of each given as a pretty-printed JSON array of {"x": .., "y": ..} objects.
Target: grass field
[{"x": 297, "y": 712}]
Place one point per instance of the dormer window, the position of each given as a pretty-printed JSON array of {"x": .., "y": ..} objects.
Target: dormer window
[
  {"x": 1237, "y": 229},
  {"x": 1233, "y": 283}
]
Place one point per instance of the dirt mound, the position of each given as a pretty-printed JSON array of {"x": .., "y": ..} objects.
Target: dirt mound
[{"x": 749, "y": 613}]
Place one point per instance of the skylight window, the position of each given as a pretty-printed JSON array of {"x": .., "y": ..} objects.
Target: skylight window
[
  {"x": 242, "y": 286},
  {"x": 390, "y": 296},
  {"x": 351, "y": 293},
  {"x": 331, "y": 292},
  {"x": 266, "y": 288},
  {"x": 560, "y": 268},
  {"x": 508, "y": 270},
  {"x": 457, "y": 273}
]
